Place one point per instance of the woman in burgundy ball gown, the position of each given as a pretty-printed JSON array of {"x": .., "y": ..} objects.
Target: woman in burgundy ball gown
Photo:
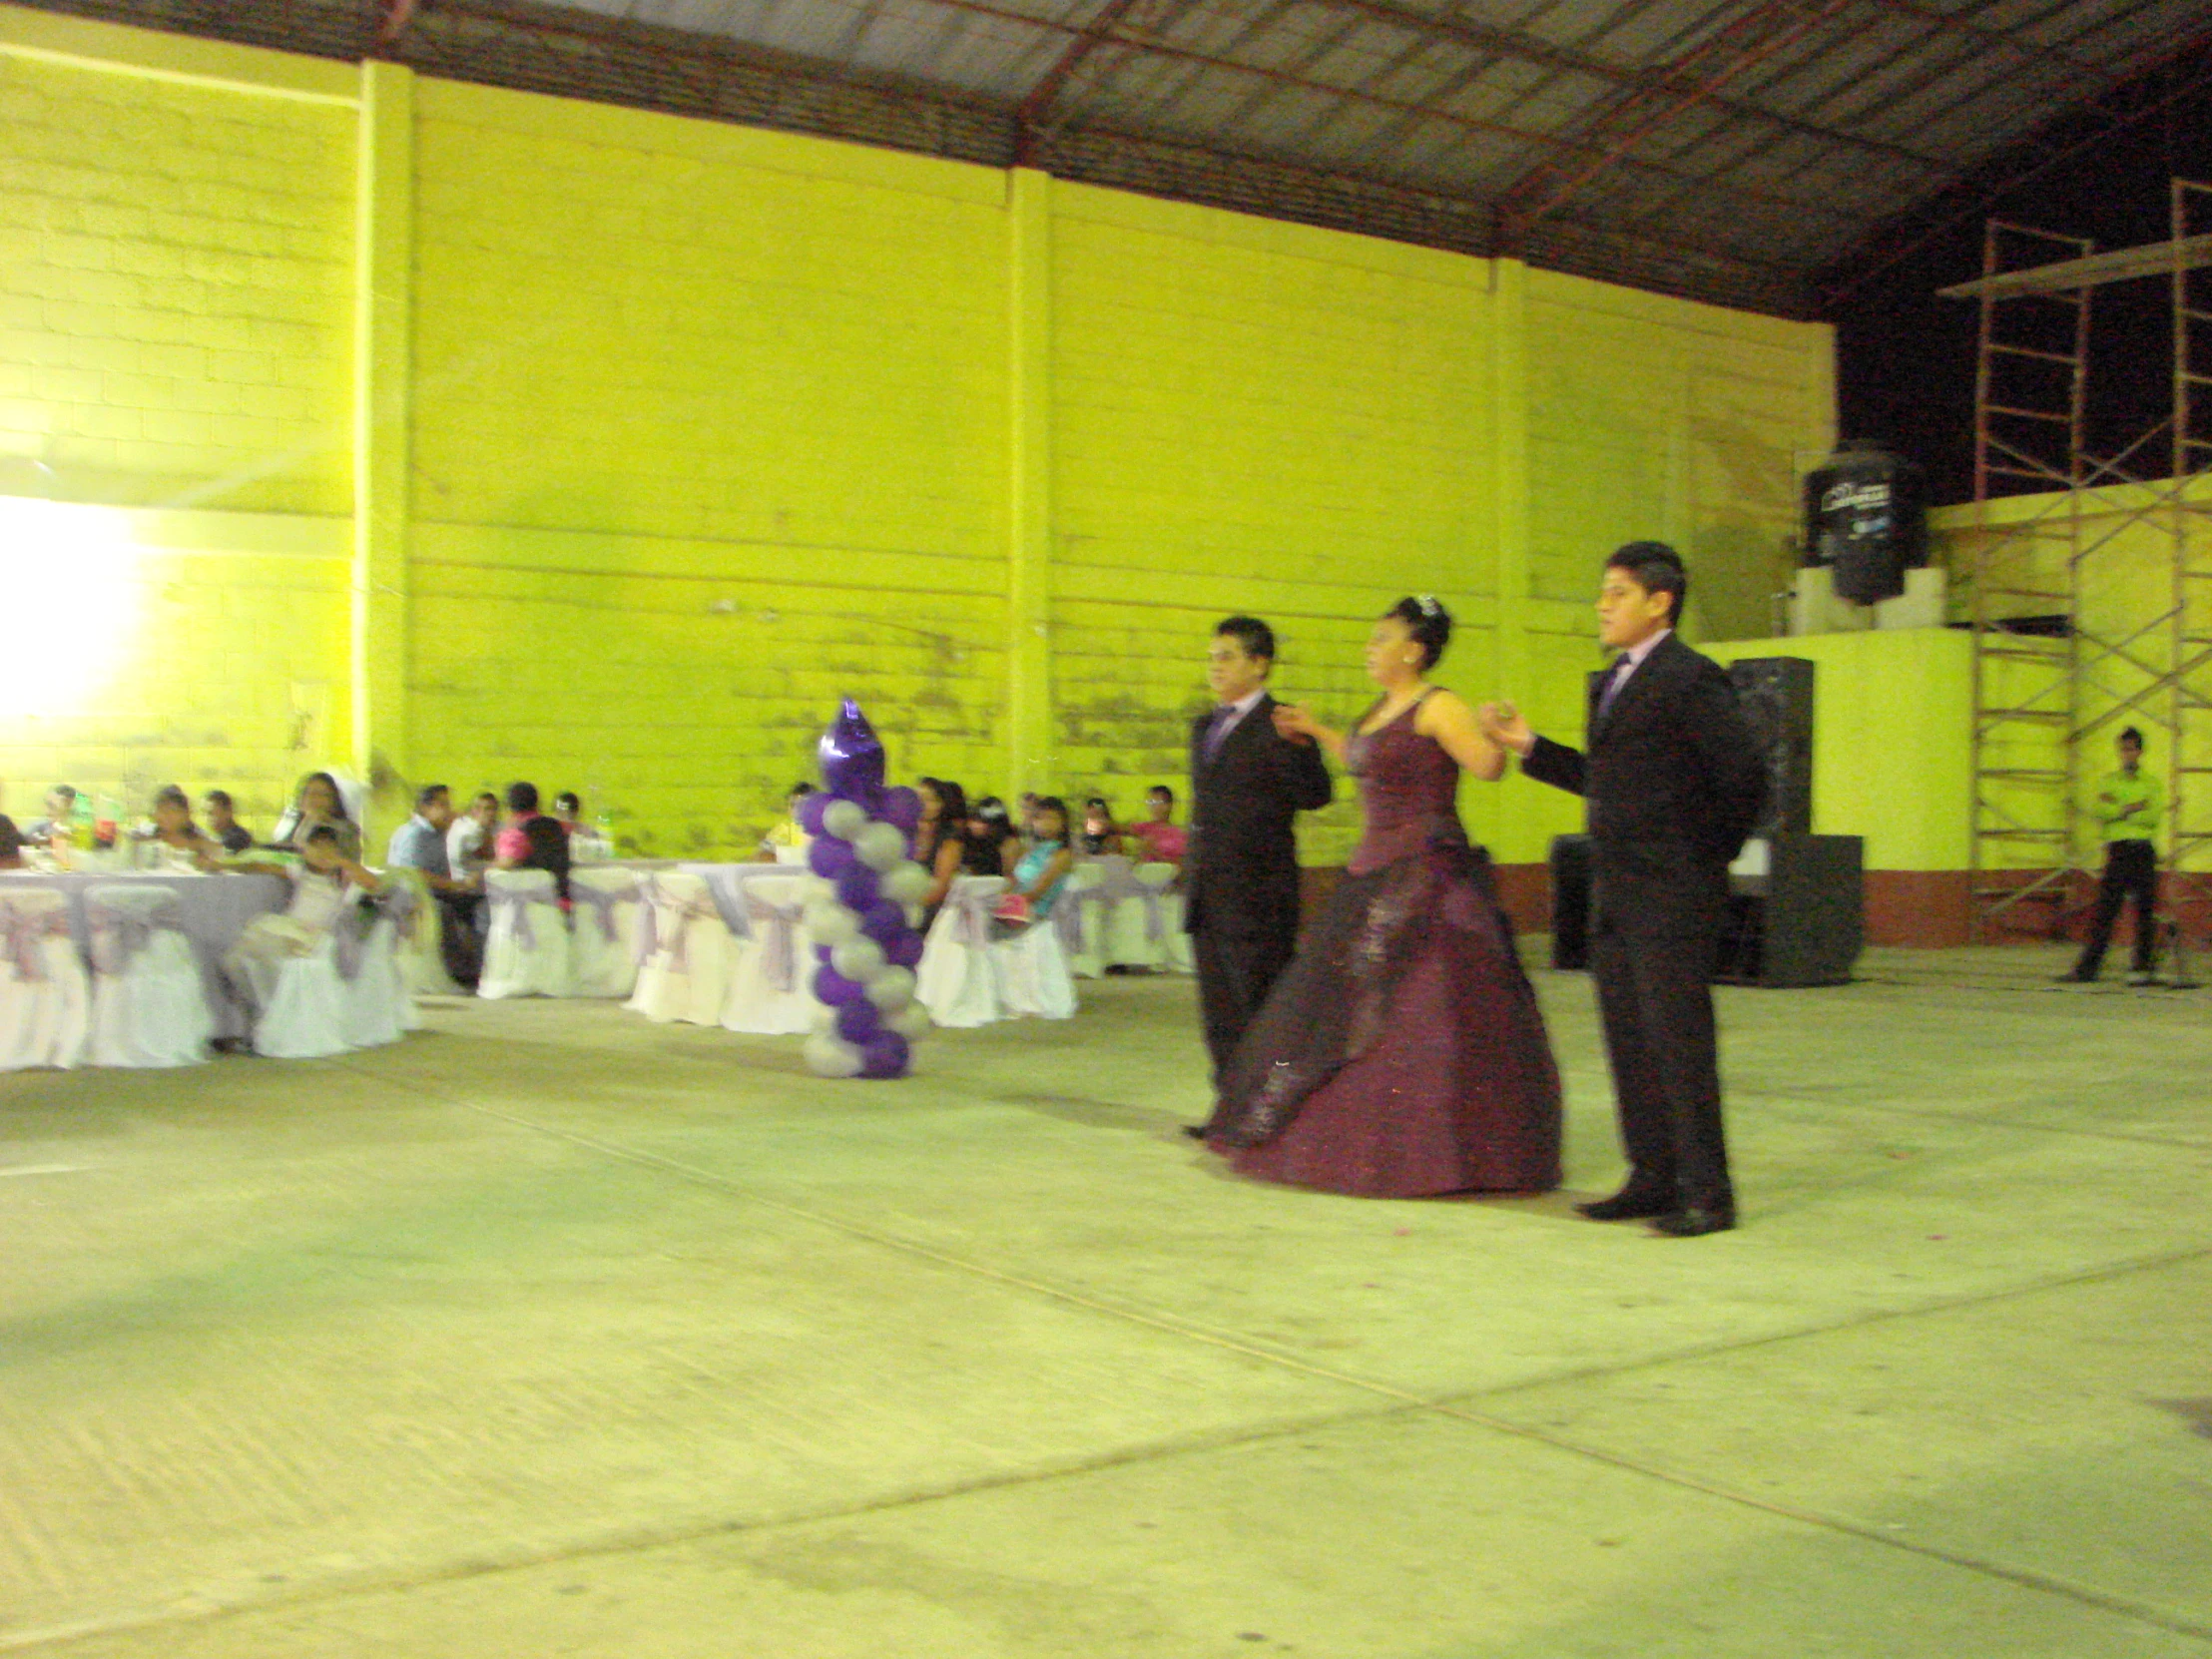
[{"x": 1401, "y": 1054}]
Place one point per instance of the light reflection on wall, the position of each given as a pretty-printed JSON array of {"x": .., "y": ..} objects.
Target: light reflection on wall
[{"x": 70, "y": 591}]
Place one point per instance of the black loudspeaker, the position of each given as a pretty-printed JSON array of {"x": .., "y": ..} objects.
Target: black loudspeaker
[
  {"x": 1776, "y": 695},
  {"x": 1796, "y": 911},
  {"x": 1572, "y": 898}
]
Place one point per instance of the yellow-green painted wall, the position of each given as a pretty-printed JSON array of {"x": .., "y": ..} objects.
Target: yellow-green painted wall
[{"x": 702, "y": 428}]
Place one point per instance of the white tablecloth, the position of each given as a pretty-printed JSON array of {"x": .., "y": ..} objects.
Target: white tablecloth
[{"x": 212, "y": 912}]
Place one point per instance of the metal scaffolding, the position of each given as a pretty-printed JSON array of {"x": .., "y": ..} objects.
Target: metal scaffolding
[{"x": 2071, "y": 643}]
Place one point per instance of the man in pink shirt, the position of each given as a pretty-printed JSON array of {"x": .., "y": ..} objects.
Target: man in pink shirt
[{"x": 1164, "y": 841}]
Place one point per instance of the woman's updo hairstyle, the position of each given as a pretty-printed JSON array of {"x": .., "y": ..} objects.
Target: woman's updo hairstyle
[{"x": 1428, "y": 623}]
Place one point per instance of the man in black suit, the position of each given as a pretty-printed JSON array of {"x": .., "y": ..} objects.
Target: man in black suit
[
  {"x": 1239, "y": 876},
  {"x": 1674, "y": 781}
]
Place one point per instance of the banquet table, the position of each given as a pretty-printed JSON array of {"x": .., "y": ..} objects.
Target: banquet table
[
  {"x": 725, "y": 883},
  {"x": 211, "y": 911}
]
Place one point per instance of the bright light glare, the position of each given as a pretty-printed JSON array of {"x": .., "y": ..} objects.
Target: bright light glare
[{"x": 69, "y": 591}]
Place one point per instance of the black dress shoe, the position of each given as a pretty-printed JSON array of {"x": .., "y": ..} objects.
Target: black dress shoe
[
  {"x": 1693, "y": 1222},
  {"x": 1196, "y": 1131},
  {"x": 1630, "y": 1205}
]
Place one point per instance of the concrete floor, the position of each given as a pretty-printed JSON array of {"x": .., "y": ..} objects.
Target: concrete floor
[{"x": 552, "y": 1333}]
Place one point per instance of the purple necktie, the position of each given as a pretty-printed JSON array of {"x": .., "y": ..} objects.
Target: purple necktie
[
  {"x": 1615, "y": 677},
  {"x": 1218, "y": 729}
]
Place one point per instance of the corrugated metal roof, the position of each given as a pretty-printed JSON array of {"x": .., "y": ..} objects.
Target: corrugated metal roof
[{"x": 1726, "y": 148}]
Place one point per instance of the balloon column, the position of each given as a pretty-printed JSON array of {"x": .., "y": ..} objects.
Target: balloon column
[{"x": 865, "y": 908}]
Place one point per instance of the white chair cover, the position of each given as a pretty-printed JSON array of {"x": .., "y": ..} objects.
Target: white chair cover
[
  {"x": 149, "y": 1007},
  {"x": 1030, "y": 972},
  {"x": 1086, "y": 897},
  {"x": 772, "y": 966},
  {"x": 44, "y": 1001},
  {"x": 288, "y": 973},
  {"x": 954, "y": 981},
  {"x": 1142, "y": 916},
  {"x": 526, "y": 948},
  {"x": 421, "y": 955},
  {"x": 686, "y": 972},
  {"x": 606, "y": 931}
]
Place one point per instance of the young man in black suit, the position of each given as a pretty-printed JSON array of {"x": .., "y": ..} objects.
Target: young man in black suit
[
  {"x": 1674, "y": 781},
  {"x": 1239, "y": 875}
]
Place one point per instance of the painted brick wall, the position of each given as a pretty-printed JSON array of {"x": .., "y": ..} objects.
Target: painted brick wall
[
  {"x": 709, "y": 433},
  {"x": 174, "y": 292}
]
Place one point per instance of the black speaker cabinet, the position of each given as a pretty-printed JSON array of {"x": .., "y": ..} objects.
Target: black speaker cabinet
[
  {"x": 1571, "y": 898},
  {"x": 1796, "y": 911},
  {"x": 1776, "y": 695}
]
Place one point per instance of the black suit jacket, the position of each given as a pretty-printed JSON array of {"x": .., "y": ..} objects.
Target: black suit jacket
[
  {"x": 1674, "y": 780},
  {"x": 1239, "y": 876}
]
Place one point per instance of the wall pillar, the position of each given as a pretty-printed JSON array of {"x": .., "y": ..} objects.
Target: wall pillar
[
  {"x": 1506, "y": 415},
  {"x": 1029, "y": 727},
  {"x": 383, "y": 360}
]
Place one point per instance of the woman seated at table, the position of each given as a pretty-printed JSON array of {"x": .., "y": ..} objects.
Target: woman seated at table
[
  {"x": 940, "y": 840},
  {"x": 176, "y": 840},
  {"x": 992, "y": 845},
  {"x": 1100, "y": 835},
  {"x": 318, "y": 803},
  {"x": 323, "y": 882},
  {"x": 11, "y": 844}
]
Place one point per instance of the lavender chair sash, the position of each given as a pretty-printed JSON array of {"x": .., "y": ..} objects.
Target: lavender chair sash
[
  {"x": 26, "y": 930},
  {"x": 396, "y": 903},
  {"x": 673, "y": 914},
  {"x": 600, "y": 901},
  {"x": 517, "y": 904},
  {"x": 972, "y": 910},
  {"x": 775, "y": 925},
  {"x": 1066, "y": 914},
  {"x": 122, "y": 927},
  {"x": 1155, "y": 914}
]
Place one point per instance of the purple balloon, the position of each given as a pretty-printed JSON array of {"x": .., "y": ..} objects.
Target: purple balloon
[
  {"x": 811, "y": 809},
  {"x": 835, "y": 988},
  {"x": 883, "y": 1055},
  {"x": 884, "y": 921},
  {"x": 905, "y": 950},
  {"x": 856, "y": 885},
  {"x": 828, "y": 857},
  {"x": 902, "y": 807},
  {"x": 852, "y": 756},
  {"x": 860, "y": 1022}
]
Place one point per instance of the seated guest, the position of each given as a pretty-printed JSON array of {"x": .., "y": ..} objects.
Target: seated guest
[
  {"x": 322, "y": 883},
  {"x": 176, "y": 837},
  {"x": 992, "y": 845},
  {"x": 318, "y": 803},
  {"x": 1040, "y": 873},
  {"x": 11, "y": 844},
  {"x": 468, "y": 842},
  {"x": 940, "y": 840},
  {"x": 568, "y": 811},
  {"x": 788, "y": 833},
  {"x": 1159, "y": 837},
  {"x": 61, "y": 813},
  {"x": 532, "y": 840},
  {"x": 419, "y": 844},
  {"x": 1099, "y": 834},
  {"x": 222, "y": 825}
]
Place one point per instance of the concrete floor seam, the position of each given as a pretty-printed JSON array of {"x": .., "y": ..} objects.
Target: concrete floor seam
[
  {"x": 1756, "y": 1098},
  {"x": 1445, "y": 1406}
]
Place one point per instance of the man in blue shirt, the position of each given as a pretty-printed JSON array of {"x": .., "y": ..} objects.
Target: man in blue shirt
[{"x": 419, "y": 844}]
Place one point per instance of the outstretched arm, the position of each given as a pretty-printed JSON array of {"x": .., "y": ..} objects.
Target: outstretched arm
[
  {"x": 1304, "y": 738},
  {"x": 1546, "y": 761}
]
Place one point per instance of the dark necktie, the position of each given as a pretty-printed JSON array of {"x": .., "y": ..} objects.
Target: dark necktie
[
  {"x": 1217, "y": 728},
  {"x": 1614, "y": 678}
]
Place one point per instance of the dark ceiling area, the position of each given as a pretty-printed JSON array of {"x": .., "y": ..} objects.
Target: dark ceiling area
[{"x": 1753, "y": 152}]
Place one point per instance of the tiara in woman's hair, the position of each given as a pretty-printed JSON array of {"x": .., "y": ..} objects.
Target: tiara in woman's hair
[{"x": 1428, "y": 605}]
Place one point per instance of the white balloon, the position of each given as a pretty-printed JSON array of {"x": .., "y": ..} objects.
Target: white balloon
[
  {"x": 880, "y": 845},
  {"x": 912, "y": 1022},
  {"x": 828, "y": 1055},
  {"x": 845, "y": 820},
  {"x": 914, "y": 914},
  {"x": 832, "y": 924},
  {"x": 905, "y": 883},
  {"x": 892, "y": 990},
  {"x": 860, "y": 958}
]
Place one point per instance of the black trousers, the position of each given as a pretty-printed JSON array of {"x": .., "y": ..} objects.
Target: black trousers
[
  {"x": 2131, "y": 871},
  {"x": 1234, "y": 973},
  {"x": 460, "y": 937},
  {"x": 1656, "y": 998}
]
